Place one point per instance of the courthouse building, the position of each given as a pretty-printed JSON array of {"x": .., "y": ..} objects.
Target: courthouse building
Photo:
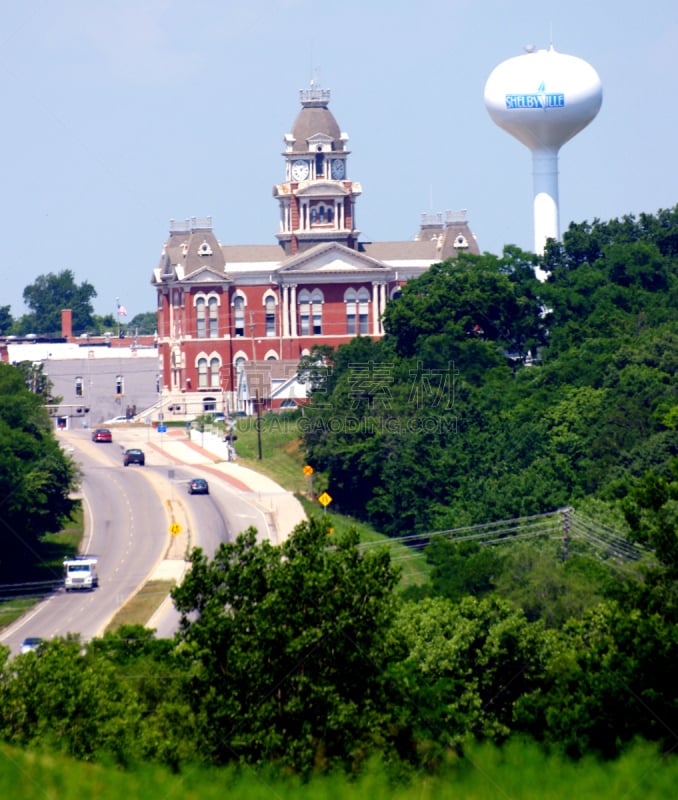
[{"x": 226, "y": 312}]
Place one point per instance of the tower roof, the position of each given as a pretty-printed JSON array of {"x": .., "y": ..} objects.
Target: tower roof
[{"x": 315, "y": 119}]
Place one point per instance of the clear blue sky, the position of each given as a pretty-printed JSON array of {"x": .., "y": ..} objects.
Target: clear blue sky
[{"x": 121, "y": 115}]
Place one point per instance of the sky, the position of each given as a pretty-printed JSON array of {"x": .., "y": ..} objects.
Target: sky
[{"x": 122, "y": 115}]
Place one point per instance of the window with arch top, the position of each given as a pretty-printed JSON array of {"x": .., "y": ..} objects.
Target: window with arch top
[
  {"x": 270, "y": 315},
  {"x": 311, "y": 312},
  {"x": 239, "y": 315}
]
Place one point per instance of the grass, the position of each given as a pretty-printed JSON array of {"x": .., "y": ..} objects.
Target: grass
[
  {"x": 283, "y": 460},
  {"x": 37, "y": 578},
  {"x": 520, "y": 771},
  {"x": 139, "y": 609},
  {"x": 282, "y": 456}
]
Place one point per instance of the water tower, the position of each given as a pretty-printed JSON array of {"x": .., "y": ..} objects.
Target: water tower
[{"x": 543, "y": 99}]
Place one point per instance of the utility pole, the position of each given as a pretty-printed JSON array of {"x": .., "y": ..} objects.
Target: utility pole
[
  {"x": 259, "y": 422},
  {"x": 252, "y": 326}
]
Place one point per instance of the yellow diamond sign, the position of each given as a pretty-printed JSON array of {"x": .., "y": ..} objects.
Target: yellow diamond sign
[{"x": 324, "y": 499}]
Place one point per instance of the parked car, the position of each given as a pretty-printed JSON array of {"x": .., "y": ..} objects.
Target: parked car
[
  {"x": 102, "y": 435},
  {"x": 134, "y": 456},
  {"x": 116, "y": 420},
  {"x": 198, "y": 486},
  {"x": 31, "y": 643}
]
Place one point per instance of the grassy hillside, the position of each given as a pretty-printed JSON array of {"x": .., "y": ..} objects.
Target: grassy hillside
[
  {"x": 519, "y": 772},
  {"x": 283, "y": 460}
]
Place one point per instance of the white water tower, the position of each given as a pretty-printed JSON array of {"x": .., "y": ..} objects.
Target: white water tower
[{"x": 543, "y": 99}]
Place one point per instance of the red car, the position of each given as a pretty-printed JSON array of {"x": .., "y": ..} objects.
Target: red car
[{"x": 101, "y": 435}]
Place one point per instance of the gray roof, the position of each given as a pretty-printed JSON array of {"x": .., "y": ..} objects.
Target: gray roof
[{"x": 315, "y": 119}]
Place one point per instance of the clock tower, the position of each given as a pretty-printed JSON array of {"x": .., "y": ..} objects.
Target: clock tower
[{"x": 316, "y": 199}]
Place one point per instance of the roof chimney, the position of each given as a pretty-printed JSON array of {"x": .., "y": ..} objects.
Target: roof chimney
[{"x": 67, "y": 323}]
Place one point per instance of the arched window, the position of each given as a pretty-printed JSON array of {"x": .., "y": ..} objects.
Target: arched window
[
  {"x": 213, "y": 306},
  {"x": 200, "y": 317},
  {"x": 319, "y": 165},
  {"x": 317, "y": 312},
  {"x": 270, "y": 316},
  {"x": 304, "y": 313},
  {"x": 350, "y": 300},
  {"x": 363, "y": 311},
  {"x": 202, "y": 373},
  {"x": 311, "y": 312},
  {"x": 321, "y": 214},
  {"x": 215, "y": 365},
  {"x": 239, "y": 315}
]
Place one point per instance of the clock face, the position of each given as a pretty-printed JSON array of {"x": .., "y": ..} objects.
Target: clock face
[
  {"x": 300, "y": 170},
  {"x": 337, "y": 168}
]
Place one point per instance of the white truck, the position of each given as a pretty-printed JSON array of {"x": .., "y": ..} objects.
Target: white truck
[{"x": 80, "y": 573}]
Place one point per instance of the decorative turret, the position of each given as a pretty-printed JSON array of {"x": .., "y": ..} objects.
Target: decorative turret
[{"x": 317, "y": 201}]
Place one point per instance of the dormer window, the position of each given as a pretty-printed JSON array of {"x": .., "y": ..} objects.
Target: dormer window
[
  {"x": 460, "y": 241},
  {"x": 204, "y": 249}
]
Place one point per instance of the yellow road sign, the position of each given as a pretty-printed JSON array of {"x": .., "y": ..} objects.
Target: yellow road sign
[
  {"x": 308, "y": 470},
  {"x": 175, "y": 529},
  {"x": 324, "y": 499}
]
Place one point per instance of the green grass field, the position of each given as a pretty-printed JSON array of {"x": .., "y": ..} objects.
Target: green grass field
[{"x": 519, "y": 771}]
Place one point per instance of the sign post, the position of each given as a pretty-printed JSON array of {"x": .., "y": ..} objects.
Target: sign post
[
  {"x": 324, "y": 499},
  {"x": 308, "y": 471}
]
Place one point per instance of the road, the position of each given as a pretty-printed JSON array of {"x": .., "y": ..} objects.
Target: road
[{"x": 128, "y": 512}]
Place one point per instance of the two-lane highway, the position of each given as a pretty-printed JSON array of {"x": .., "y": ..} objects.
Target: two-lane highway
[{"x": 128, "y": 511}]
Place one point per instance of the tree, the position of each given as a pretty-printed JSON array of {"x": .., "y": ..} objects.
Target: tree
[
  {"x": 36, "y": 476},
  {"x": 608, "y": 679},
  {"x": 651, "y": 509},
  {"x": 145, "y": 324},
  {"x": 49, "y": 296},
  {"x": 463, "y": 569},
  {"x": 37, "y": 381},
  {"x": 6, "y": 320},
  {"x": 289, "y": 648},
  {"x": 52, "y": 700},
  {"x": 467, "y": 664}
]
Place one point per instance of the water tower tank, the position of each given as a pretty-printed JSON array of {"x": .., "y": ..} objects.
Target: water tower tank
[{"x": 543, "y": 99}]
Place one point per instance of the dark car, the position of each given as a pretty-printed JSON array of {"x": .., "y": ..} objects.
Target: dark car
[
  {"x": 102, "y": 435},
  {"x": 198, "y": 486},
  {"x": 134, "y": 456}
]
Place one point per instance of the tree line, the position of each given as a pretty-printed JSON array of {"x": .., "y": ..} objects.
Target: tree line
[
  {"x": 50, "y": 294},
  {"x": 493, "y": 395},
  {"x": 306, "y": 658}
]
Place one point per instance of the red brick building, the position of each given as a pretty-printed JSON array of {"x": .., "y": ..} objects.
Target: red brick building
[{"x": 221, "y": 306}]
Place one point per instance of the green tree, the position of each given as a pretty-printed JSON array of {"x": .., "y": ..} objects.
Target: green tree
[
  {"x": 289, "y": 648},
  {"x": 651, "y": 509},
  {"x": 145, "y": 324},
  {"x": 36, "y": 476},
  {"x": 467, "y": 664},
  {"x": 463, "y": 569},
  {"x": 6, "y": 320},
  {"x": 54, "y": 700},
  {"x": 49, "y": 295},
  {"x": 608, "y": 680}
]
